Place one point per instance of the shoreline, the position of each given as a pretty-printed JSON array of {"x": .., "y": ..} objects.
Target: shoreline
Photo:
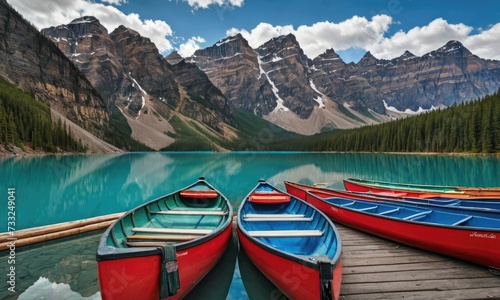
[{"x": 18, "y": 152}]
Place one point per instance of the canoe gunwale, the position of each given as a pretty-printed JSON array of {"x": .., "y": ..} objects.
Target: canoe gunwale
[
  {"x": 413, "y": 201},
  {"x": 423, "y": 189},
  {"x": 411, "y": 219},
  {"x": 105, "y": 252}
]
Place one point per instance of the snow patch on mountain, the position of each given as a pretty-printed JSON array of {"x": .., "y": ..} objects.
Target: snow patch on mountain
[
  {"x": 318, "y": 99},
  {"x": 275, "y": 90},
  {"x": 143, "y": 92},
  {"x": 408, "y": 111}
]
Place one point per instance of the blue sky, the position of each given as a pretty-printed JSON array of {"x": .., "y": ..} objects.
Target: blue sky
[{"x": 386, "y": 28}]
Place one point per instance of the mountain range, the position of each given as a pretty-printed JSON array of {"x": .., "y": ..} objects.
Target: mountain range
[
  {"x": 95, "y": 79},
  {"x": 279, "y": 83}
]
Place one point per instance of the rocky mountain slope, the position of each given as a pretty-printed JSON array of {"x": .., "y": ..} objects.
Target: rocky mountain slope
[
  {"x": 158, "y": 99},
  {"x": 274, "y": 82},
  {"x": 278, "y": 82},
  {"x": 131, "y": 74},
  {"x": 33, "y": 63}
]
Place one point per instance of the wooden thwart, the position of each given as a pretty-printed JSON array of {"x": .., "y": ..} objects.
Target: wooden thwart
[
  {"x": 368, "y": 208},
  {"x": 145, "y": 244},
  {"x": 276, "y": 217},
  {"x": 417, "y": 215},
  {"x": 389, "y": 211},
  {"x": 256, "y": 219},
  {"x": 285, "y": 233},
  {"x": 462, "y": 221},
  {"x": 191, "y": 212},
  {"x": 273, "y": 216},
  {"x": 172, "y": 230},
  {"x": 161, "y": 237}
]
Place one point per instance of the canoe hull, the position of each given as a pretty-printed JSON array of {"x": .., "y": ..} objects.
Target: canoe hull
[
  {"x": 139, "y": 277},
  {"x": 295, "y": 280},
  {"x": 418, "y": 191},
  {"x": 489, "y": 208},
  {"x": 481, "y": 247},
  {"x": 292, "y": 243}
]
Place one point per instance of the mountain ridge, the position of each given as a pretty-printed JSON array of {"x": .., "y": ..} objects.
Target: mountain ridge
[
  {"x": 105, "y": 74},
  {"x": 447, "y": 75},
  {"x": 139, "y": 82}
]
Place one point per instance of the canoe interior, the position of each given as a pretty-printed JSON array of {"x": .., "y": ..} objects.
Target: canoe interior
[
  {"x": 298, "y": 216},
  {"x": 157, "y": 222},
  {"x": 415, "y": 213},
  {"x": 477, "y": 204},
  {"x": 476, "y": 191},
  {"x": 493, "y": 205}
]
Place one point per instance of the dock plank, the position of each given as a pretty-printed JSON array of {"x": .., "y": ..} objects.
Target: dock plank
[
  {"x": 481, "y": 293},
  {"x": 376, "y": 268}
]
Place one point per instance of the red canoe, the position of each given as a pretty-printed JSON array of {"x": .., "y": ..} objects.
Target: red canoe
[
  {"x": 162, "y": 249},
  {"x": 466, "y": 235},
  {"x": 418, "y": 190},
  {"x": 294, "y": 245},
  {"x": 487, "y": 205}
]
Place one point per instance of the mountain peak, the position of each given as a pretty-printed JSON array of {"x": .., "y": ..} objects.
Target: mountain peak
[
  {"x": 237, "y": 38},
  {"x": 406, "y": 56},
  {"x": 122, "y": 29},
  {"x": 174, "y": 58},
  {"x": 452, "y": 47},
  {"x": 85, "y": 19},
  {"x": 454, "y": 43},
  {"x": 329, "y": 54},
  {"x": 368, "y": 59}
]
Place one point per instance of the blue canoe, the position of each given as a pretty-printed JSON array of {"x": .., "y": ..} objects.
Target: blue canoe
[{"x": 293, "y": 244}]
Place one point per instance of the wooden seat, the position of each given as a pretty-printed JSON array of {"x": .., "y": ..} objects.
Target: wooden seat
[
  {"x": 285, "y": 233},
  {"x": 281, "y": 216},
  {"x": 172, "y": 230},
  {"x": 191, "y": 212},
  {"x": 389, "y": 211},
  {"x": 145, "y": 244},
  {"x": 368, "y": 208},
  {"x": 275, "y": 217},
  {"x": 417, "y": 215},
  {"x": 255, "y": 219},
  {"x": 142, "y": 237},
  {"x": 460, "y": 222}
]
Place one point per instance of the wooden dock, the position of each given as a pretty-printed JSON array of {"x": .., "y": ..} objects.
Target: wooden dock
[{"x": 375, "y": 268}]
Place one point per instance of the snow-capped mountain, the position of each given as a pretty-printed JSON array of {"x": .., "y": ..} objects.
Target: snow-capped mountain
[{"x": 280, "y": 83}]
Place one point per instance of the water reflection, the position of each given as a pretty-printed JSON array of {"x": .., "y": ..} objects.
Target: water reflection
[{"x": 62, "y": 188}]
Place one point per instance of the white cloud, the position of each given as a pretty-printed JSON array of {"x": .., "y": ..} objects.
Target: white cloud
[
  {"x": 44, "y": 14},
  {"x": 371, "y": 35},
  {"x": 115, "y": 2},
  {"x": 188, "y": 48},
  {"x": 486, "y": 43},
  {"x": 206, "y": 3},
  {"x": 420, "y": 40},
  {"x": 262, "y": 33},
  {"x": 315, "y": 39}
]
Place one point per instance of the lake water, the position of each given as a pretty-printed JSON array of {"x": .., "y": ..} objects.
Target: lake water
[{"x": 63, "y": 188}]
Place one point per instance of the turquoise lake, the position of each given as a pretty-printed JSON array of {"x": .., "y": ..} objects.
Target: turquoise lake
[{"x": 56, "y": 189}]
